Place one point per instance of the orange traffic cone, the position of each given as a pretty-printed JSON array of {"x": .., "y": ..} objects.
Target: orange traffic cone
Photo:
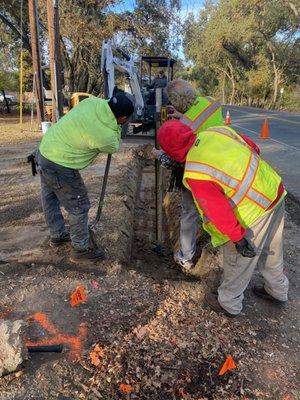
[
  {"x": 228, "y": 118},
  {"x": 264, "y": 133}
]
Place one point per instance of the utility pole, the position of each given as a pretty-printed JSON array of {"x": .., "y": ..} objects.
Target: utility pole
[
  {"x": 55, "y": 64},
  {"x": 36, "y": 58}
]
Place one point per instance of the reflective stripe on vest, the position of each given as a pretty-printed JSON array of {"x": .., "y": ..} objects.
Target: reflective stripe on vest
[
  {"x": 185, "y": 120},
  {"x": 213, "y": 172},
  {"x": 247, "y": 179},
  {"x": 259, "y": 199},
  {"x": 202, "y": 116},
  {"x": 227, "y": 132}
]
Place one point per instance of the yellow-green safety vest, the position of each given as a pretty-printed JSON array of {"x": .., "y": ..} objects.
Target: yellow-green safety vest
[
  {"x": 204, "y": 113},
  {"x": 220, "y": 155}
]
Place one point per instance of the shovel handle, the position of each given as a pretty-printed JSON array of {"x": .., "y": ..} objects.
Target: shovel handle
[{"x": 103, "y": 189}]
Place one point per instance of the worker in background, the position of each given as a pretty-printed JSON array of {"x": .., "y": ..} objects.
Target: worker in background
[
  {"x": 90, "y": 128},
  {"x": 240, "y": 199},
  {"x": 160, "y": 81},
  {"x": 199, "y": 113}
]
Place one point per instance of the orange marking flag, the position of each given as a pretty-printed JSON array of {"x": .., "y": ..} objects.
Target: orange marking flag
[
  {"x": 78, "y": 296},
  {"x": 228, "y": 365}
]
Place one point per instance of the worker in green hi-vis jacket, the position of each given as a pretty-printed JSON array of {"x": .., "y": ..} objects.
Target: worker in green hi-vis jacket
[{"x": 90, "y": 128}]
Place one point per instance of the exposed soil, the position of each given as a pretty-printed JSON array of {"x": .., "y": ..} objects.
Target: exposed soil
[{"x": 143, "y": 324}]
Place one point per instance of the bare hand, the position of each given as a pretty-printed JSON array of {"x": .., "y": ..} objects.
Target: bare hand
[{"x": 172, "y": 113}]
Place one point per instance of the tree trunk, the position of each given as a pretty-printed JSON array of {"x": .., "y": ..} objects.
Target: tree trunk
[
  {"x": 276, "y": 75},
  {"x": 232, "y": 80},
  {"x": 223, "y": 88},
  {"x": 6, "y": 102}
]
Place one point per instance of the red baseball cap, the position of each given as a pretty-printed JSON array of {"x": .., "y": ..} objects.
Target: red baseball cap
[{"x": 176, "y": 139}]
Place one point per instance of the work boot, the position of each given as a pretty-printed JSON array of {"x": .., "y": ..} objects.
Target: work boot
[
  {"x": 186, "y": 266},
  {"x": 261, "y": 292},
  {"x": 211, "y": 299},
  {"x": 56, "y": 242},
  {"x": 89, "y": 254}
]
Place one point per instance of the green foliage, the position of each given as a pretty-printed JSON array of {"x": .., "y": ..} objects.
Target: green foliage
[
  {"x": 251, "y": 46},
  {"x": 147, "y": 29},
  {"x": 9, "y": 81},
  {"x": 152, "y": 27}
]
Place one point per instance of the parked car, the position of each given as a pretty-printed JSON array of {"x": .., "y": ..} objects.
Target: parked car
[{"x": 10, "y": 98}]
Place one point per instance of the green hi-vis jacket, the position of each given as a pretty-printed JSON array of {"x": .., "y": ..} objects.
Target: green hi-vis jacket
[
  {"x": 77, "y": 138},
  {"x": 204, "y": 113}
]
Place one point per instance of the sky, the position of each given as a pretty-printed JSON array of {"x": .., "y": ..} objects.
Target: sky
[{"x": 187, "y": 6}]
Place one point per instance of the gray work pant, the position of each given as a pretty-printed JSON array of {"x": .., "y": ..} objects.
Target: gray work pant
[
  {"x": 189, "y": 226},
  {"x": 64, "y": 187},
  {"x": 266, "y": 236}
]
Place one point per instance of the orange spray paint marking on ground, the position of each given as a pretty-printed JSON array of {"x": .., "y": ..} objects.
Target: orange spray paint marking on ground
[
  {"x": 74, "y": 342},
  {"x": 227, "y": 366},
  {"x": 78, "y": 296}
]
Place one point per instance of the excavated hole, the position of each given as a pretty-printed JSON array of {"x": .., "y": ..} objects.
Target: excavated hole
[{"x": 144, "y": 257}]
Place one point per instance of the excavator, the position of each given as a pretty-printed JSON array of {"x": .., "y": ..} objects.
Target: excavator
[{"x": 150, "y": 102}]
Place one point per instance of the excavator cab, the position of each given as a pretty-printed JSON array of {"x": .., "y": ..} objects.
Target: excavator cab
[
  {"x": 162, "y": 67},
  {"x": 155, "y": 74}
]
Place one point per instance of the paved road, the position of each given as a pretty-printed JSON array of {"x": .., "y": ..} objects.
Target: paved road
[{"x": 282, "y": 150}]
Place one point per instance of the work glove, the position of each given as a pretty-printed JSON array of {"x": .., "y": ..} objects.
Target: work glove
[
  {"x": 156, "y": 153},
  {"x": 244, "y": 248}
]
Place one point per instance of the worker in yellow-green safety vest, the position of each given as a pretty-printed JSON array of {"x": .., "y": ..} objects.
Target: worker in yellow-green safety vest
[
  {"x": 199, "y": 113},
  {"x": 241, "y": 202}
]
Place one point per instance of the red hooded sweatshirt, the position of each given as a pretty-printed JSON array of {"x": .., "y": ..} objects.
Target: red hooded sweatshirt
[{"x": 176, "y": 139}]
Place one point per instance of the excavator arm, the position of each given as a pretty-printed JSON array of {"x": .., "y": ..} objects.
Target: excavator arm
[{"x": 125, "y": 65}]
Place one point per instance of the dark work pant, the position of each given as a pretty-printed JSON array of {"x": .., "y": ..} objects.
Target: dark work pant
[{"x": 64, "y": 187}]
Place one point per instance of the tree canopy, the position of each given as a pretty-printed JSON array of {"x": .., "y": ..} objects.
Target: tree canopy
[
  {"x": 83, "y": 26},
  {"x": 244, "y": 51}
]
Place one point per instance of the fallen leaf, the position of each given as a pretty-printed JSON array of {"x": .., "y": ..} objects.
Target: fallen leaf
[
  {"x": 78, "y": 296},
  {"x": 182, "y": 393},
  {"x": 228, "y": 365},
  {"x": 124, "y": 388},
  {"x": 96, "y": 355},
  {"x": 140, "y": 332},
  {"x": 95, "y": 284},
  {"x": 173, "y": 341},
  {"x": 4, "y": 314}
]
